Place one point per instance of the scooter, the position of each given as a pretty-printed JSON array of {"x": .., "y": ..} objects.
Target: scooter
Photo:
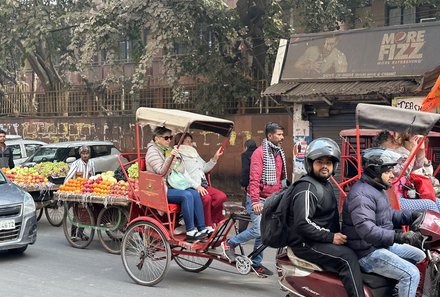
[{"x": 299, "y": 277}]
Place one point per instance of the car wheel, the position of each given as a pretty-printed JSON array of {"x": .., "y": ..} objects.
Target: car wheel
[{"x": 18, "y": 251}]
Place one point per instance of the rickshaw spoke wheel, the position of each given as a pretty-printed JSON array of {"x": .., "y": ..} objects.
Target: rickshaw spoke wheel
[
  {"x": 39, "y": 213},
  {"x": 55, "y": 213},
  {"x": 111, "y": 226},
  {"x": 190, "y": 263},
  {"x": 77, "y": 222},
  {"x": 145, "y": 253}
]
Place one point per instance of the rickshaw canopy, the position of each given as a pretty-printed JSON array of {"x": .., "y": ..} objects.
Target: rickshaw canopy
[
  {"x": 179, "y": 120},
  {"x": 396, "y": 119}
]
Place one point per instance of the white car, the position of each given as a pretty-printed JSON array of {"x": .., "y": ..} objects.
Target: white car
[
  {"x": 22, "y": 148},
  {"x": 103, "y": 153}
]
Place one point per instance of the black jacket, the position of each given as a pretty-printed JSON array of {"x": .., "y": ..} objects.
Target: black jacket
[
  {"x": 368, "y": 219},
  {"x": 6, "y": 158},
  {"x": 245, "y": 166},
  {"x": 312, "y": 218}
]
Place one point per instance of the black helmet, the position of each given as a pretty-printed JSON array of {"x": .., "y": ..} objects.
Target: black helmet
[
  {"x": 322, "y": 147},
  {"x": 377, "y": 160}
]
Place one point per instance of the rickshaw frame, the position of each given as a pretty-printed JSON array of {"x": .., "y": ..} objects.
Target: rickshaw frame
[
  {"x": 150, "y": 209},
  {"x": 393, "y": 119}
]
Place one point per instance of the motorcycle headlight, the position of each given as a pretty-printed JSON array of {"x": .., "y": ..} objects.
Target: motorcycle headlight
[{"x": 28, "y": 204}]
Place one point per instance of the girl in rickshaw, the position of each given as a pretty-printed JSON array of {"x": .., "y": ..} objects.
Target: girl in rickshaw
[
  {"x": 196, "y": 167},
  {"x": 405, "y": 144},
  {"x": 158, "y": 158}
]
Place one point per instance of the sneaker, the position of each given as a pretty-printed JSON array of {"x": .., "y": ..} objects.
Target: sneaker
[
  {"x": 208, "y": 230},
  {"x": 228, "y": 251},
  {"x": 262, "y": 271},
  {"x": 194, "y": 236}
]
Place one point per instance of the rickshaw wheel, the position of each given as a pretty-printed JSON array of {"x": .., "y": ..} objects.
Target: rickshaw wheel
[
  {"x": 191, "y": 263},
  {"x": 145, "y": 253},
  {"x": 55, "y": 213},
  {"x": 77, "y": 223},
  {"x": 111, "y": 226},
  {"x": 39, "y": 213}
]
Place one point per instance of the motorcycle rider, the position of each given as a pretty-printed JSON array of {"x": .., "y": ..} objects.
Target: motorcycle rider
[
  {"x": 314, "y": 219},
  {"x": 369, "y": 222}
]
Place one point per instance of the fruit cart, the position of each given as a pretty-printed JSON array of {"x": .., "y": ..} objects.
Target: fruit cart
[
  {"x": 98, "y": 204},
  {"x": 41, "y": 181}
]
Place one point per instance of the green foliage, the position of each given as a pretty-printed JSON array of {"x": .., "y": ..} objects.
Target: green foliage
[{"x": 27, "y": 33}]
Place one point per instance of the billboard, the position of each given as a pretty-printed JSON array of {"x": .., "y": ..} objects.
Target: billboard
[{"x": 396, "y": 51}]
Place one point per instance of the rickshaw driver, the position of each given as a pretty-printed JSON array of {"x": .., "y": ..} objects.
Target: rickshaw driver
[{"x": 268, "y": 174}]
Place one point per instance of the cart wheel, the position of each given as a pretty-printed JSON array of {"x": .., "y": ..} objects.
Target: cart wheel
[
  {"x": 77, "y": 223},
  {"x": 145, "y": 253},
  {"x": 111, "y": 226},
  {"x": 190, "y": 263},
  {"x": 55, "y": 213},
  {"x": 39, "y": 213}
]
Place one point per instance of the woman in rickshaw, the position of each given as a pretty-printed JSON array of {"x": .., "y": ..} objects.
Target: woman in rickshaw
[
  {"x": 405, "y": 144},
  {"x": 158, "y": 158},
  {"x": 196, "y": 167}
]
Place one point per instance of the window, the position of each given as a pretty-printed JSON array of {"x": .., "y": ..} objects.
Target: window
[
  {"x": 101, "y": 150},
  {"x": 16, "y": 151},
  {"x": 401, "y": 15},
  {"x": 31, "y": 148}
]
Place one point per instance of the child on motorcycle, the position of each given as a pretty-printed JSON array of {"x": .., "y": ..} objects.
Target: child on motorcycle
[{"x": 369, "y": 222}]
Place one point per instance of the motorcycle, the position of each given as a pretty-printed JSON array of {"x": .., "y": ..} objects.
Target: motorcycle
[{"x": 299, "y": 277}]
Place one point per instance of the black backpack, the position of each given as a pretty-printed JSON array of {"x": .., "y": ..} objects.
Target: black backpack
[{"x": 273, "y": 226}]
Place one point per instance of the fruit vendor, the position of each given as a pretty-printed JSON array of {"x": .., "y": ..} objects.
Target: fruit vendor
[
  {"x": 83, "y": 167},
  {"x": 6, "y": 156}
]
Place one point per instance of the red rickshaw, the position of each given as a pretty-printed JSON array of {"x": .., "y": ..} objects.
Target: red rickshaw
[{"x": 149, "y": 243}]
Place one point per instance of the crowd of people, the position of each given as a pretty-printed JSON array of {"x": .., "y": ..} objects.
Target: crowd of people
[{"x": 370, "y": 237}]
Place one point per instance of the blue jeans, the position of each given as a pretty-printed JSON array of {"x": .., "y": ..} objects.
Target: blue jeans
[
  {"x": 250, "y": 233},
  {"x": 191, "y": 206},
  {"x": 396, "y": 262},
  {"x": 419, "y": 204}
]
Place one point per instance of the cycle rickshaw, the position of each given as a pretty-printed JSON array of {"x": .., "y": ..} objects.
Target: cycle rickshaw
[
  {"x": 394, "y": 119},
  {"x": 149, "y": 242}
]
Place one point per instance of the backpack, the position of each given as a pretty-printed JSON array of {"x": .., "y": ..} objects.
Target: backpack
[{"x": 273, "y": 226}]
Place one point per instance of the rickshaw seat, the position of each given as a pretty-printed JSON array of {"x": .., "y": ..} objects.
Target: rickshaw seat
[{"x": 173, "y": 207}]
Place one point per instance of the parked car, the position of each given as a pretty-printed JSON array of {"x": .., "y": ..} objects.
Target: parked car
[
  {"x": 103, "y": 153},
  {"x": 22, "y": 148},
  {"x": 18, "y": 223}
]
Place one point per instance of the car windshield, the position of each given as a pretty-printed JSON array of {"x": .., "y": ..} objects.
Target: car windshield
[{"x": 49, "y": 154}]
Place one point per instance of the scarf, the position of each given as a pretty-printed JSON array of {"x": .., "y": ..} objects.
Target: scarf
[
  {"x": 270, "y": 150},
  {"x": 163, "y": 148},
  {"x": 188, "y": 151}
]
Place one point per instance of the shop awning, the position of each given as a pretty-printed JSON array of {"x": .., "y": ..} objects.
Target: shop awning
[{"x": 290, "y": 91}]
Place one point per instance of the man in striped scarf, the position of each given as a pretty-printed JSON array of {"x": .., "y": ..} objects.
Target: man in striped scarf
[{"x": 267, "y": 176}]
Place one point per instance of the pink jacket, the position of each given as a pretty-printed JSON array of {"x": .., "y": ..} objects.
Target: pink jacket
[{"x": 256, "y": 189}]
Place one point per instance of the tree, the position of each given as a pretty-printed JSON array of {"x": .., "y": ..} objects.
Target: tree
[
  {"x": 202, "y": 39},
  {"x": 37, "y": 31}
]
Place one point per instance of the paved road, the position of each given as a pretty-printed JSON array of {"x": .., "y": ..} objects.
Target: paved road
[{"x": 52, "y": 267}]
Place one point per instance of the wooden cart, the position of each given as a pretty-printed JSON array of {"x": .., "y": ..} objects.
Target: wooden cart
[{"x": 86, "y": 213}]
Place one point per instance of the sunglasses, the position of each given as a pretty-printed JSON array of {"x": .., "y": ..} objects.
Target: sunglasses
[{"x": 167, "y": 137}]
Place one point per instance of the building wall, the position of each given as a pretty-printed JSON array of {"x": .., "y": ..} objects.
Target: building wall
[{"x": 121, "y": 131}]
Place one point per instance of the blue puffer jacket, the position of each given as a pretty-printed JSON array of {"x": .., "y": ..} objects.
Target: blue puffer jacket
[{"x": 368, "y": 219}]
